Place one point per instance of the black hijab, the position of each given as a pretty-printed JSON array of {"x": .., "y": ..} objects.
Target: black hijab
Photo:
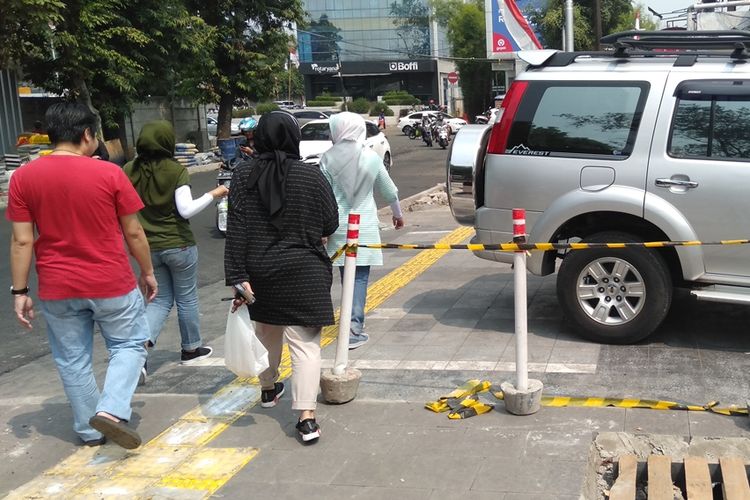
[{"x": 277, "y": 147}]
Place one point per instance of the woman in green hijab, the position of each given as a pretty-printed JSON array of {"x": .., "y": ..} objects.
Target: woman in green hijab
[{"x": 164, "y": 186}]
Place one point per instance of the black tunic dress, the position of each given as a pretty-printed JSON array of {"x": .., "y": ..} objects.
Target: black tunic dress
[{"x": 289, "y": 270}]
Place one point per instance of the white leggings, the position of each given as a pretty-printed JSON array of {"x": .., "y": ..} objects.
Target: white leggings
[{"x": 304, "y": 349}]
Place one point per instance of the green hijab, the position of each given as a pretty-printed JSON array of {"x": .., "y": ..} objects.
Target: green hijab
[{"x": 153, "y": 171}]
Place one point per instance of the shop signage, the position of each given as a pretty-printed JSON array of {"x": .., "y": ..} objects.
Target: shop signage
[
  {"x": 327, "y": 70},
  {"x": 404, "y": 66}
]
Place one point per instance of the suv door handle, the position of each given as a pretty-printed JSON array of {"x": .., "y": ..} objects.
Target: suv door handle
[{"x": 666, "y": 183}]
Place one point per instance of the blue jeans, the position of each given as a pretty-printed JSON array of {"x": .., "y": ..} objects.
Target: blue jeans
[
  {"x": 70, "y": 327},
  {"x": 361, "y": 276},
  {"x": 176, "y": 271}
]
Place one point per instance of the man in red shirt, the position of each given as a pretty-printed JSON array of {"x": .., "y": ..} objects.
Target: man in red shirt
[{"x": 81, "y": 208}]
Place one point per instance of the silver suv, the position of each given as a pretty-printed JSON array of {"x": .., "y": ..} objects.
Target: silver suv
[{"x": 647, "y": 142}]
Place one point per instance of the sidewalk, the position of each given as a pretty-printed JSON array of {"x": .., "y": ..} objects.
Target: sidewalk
[{"x": 432, "y": 332}]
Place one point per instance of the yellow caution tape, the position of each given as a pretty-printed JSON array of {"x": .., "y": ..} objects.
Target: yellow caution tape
[
  {"x": 462, "y": 404},
  {"x": 452, "y": 401},
  {"x": 544, "y": 247}
]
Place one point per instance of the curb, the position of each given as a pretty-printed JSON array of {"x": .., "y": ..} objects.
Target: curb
[{"x": 409, "y": 202}]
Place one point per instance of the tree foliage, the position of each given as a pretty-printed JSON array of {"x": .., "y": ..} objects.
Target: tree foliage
[
  {"x": 465, "y": 23},
  {"x": 251, "y": 46},
  {"x": 617, "y": 15},
  {"x": 109, "y": 53},
  {"x": 21, "y": 23}
]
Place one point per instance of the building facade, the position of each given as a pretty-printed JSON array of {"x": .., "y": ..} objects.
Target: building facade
[{"x": 365, "y": 48}]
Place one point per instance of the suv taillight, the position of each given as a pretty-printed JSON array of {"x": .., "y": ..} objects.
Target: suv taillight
[{"x": 501, "y": 128}]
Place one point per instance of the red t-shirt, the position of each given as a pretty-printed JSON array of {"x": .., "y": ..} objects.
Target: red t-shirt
[{"x": 75, "y": 203}]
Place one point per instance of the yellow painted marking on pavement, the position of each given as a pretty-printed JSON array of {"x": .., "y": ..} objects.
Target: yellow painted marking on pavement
[
  {"x": 112, "y": 472},
  {"x": 90, "y": 461},
  {"x": 112, "y": 487},
  {"x": 190, "y": 433},
  {"x": 209, "y": 469},
  {"x": 153, "y": 462}
]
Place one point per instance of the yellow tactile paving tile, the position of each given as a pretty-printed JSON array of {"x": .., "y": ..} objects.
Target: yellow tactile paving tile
[
  {"x": 188, "y": 469},
  {"x": 209, "y": 468},
  {"x": 227, "y": 404},
  {"x": 89, "y": 461},
  {"x": 189, "y": 433},
  {"x": 153, "y": 462}
]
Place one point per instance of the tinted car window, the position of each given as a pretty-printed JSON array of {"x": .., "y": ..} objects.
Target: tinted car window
[
  {"x": 416, "y": 116},
  {"x": 712, "y": 126},
  {"x": 372, "y": 129},
  {"x": 310, "y": 114},
  {"x": 316, "y": 132},
  {"x": 578, "y": 119}
]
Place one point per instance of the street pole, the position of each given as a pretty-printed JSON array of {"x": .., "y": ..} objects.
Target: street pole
[
  {"x": 569, "y": 38},
  {"x": 598, "y": 23}
]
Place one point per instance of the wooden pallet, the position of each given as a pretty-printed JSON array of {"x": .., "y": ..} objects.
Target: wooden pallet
[{"x": 694, "y": 477}]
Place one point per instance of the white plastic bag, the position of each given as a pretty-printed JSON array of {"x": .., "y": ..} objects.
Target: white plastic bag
[{"x": 244, "y": 354}]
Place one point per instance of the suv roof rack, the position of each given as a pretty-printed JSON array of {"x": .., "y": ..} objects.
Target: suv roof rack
[{"x": 685, "y": 46}]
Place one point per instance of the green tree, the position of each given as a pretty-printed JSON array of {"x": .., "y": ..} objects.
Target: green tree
[
  {"x": 617, "y": 15},
  {"x": 465, "y": 23},
  {"x": 23, "y": 23},
  {"x": 412, "y": 21},
  {"x": 108, "y": 53},
  {"x": 251, "y": 46}
]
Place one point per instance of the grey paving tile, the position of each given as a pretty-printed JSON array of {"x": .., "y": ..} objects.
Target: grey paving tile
[
  {"x": 440, "y": 471},
  {"x": 307, "y": 465},
  {"x": 443, "y": 352},
  {"x": 536, "y": 353},
  {"x": 495, "y": 312},
  {"x": 345, "y": 436},
  {"x": 256, "y": 431},
  {"x": 472, "y": 350},
  {"x": 441, "y": 335},
  {"x": 544, "y": 306},
  {"x": 671, "y": 360},
  {"x": 582, "y": 354},
  {"x": 402, "y": 338},
  {"x": 561, "y": 445},
  {"x": 524, "y": 496},
  {"x": 711, "y": 424},
  {"x": 417, "y": 439},
  {"x": 642, "y": 421},
  {"x": 241, "y": 489},
  {"x": 474, "y": 495},
  {"x": 496, "y": 441},
  {"x": 415, "y": 324},
  {"x": 530, "y": 476},
  {"x": 476, "y": 299}
]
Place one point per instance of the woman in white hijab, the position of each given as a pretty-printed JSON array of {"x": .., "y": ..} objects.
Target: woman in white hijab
[{"x": 354, "y": 171}]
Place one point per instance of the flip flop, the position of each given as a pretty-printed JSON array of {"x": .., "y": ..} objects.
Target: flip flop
[{"x": 117, "y": 432}]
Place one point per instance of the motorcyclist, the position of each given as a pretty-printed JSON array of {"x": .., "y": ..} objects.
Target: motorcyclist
[{"x": 247, "y": 128}]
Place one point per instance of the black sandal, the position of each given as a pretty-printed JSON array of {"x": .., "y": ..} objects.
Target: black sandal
[{"x": 117, "y": 432}]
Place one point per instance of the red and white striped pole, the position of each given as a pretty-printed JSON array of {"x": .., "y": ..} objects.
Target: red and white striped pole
[
  {"x": 519, "y": 289},
  {"x": 347, "y": 296}
]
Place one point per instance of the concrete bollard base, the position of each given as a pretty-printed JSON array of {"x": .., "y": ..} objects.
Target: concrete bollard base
[
  {"x": 522, "y": 402},
  {"x": 340, "y": 389}
]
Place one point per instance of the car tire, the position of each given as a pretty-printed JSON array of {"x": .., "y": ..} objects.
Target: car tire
[
  {"x": 407, "y": 129},
  {"x": 599, "y": 288},
  {"x": 387, "y": 161}
]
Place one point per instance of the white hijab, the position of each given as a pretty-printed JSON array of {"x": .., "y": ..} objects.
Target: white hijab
[{"x": 348, "y": 162}]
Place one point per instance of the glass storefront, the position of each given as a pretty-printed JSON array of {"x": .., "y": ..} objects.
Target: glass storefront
[{"x": 364, "y": 48}]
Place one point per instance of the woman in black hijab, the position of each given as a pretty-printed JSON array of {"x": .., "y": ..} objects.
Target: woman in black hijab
[{"x": 280, "y": 209}]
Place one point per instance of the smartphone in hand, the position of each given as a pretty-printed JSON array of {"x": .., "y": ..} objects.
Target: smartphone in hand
[{"x": 241, "y": 292}]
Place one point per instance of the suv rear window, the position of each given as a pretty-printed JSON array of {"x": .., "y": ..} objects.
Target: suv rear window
[
  {"x": 577, "y": 119},
  {"x": 711, "y": 120}
]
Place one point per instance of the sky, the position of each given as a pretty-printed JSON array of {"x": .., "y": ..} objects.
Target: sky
[{"x": 667, "y": 5}]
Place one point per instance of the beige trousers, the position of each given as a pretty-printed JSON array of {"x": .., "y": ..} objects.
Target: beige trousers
[{"x": 304, "y": 349}]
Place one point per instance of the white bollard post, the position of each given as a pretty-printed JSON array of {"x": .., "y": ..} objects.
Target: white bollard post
[
  {"x": 520, "y": 296},
  {"x": 347, "y": 295},
  {"x": 525, "y": 396}
]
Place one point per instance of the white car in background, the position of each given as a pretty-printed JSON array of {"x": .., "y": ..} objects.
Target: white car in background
[
  {"x": 316, "y": 140},
  {"x": 408, "y": 122}
]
